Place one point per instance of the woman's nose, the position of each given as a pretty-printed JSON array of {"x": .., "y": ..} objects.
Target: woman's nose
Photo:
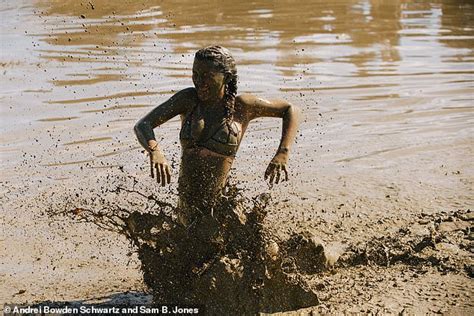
[
  {"x": 197, "y": 79},
  {"x": 202, "y": 82}
]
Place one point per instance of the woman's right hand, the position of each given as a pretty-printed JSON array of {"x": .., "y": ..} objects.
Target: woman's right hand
[{"x": 159, "y": 166}]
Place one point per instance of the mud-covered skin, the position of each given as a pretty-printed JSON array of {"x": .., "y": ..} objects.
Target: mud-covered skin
[
  {"x": 209, "y": 129},
  {"x": 248, "y": 107},
  {"x": 197, "y": 190},
  {"x": 215, "y": 250}
]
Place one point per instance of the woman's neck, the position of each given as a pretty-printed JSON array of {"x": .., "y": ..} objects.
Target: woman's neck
[{"x": 213, "y": 108}]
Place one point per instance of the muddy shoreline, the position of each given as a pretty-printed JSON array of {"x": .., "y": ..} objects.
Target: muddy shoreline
[{"x": 425, "y": 255}]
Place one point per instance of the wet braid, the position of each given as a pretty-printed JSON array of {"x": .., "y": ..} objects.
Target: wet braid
[
  {"x": 222, "y": 59},
  {"x": 229, "y": 99}
]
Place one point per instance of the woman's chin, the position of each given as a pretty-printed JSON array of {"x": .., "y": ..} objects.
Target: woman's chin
[{"x": 204, "y": 97}]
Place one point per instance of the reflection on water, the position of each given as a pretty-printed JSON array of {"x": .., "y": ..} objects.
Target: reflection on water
[{"x": 79, "y": 71}]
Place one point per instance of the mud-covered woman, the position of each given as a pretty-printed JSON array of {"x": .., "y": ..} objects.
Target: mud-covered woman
[{"x": 213, "y": 122}]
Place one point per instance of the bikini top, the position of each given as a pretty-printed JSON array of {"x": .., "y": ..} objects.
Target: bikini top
[{"x": 223, "y": 139}]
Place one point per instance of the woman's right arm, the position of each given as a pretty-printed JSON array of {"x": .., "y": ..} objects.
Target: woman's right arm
[{"x": 177, "y": 104}]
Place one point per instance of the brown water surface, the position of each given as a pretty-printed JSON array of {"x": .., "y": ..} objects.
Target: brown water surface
[{"x": 385, "y": 86}]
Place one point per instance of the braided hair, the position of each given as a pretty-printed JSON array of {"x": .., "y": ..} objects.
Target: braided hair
[{"x": 223, "y": 60}]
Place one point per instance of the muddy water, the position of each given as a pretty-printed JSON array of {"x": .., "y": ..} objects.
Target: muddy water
[
  {"x": 381, "y": 83},
  {"x": 392, "y": 78},
  {"x": 386, "y": 90}
]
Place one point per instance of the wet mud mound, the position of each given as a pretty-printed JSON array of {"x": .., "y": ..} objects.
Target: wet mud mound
[
  {"x": 444, "y": 240},
  {"x": 226, "y": 260}
]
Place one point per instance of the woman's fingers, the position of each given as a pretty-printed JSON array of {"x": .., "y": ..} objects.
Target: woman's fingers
[
  {"x": 286, "y": 172},
  {"x": 272, "y": 175},
  {"x": 278, "y": 173},
  {"x": 158, "y": 173},
  {"x": 168, "y": 173},
  {"x": 163, "y": 175},
  {"x": 151, "y": 167},
  {"x": 159, "y": 168},
  {"x": 269, "y": 170}
]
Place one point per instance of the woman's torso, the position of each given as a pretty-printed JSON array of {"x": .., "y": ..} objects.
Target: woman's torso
[{"x": 209, "y": 145}]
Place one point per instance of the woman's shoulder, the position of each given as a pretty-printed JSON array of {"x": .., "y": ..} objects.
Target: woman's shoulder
[
  {"x": 187, "y": 93},
  {"x": 244, "y": 104},
  {"x": 186, "y": 98},
  {"x": 245, "y": 99}
]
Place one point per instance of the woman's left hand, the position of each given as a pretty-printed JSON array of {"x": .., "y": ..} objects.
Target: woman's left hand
[{"x": 277, "y": 166}]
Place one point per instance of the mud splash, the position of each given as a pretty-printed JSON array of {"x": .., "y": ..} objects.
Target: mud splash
[
  {"x": 226, "y": 261},
  {"x": 230, "y": 260}
]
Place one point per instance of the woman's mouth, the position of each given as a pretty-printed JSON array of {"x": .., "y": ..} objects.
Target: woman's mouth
[{"x": 203, "y": 92}]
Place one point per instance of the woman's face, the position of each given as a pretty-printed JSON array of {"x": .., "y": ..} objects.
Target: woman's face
[{"x": 208, "y": 80}]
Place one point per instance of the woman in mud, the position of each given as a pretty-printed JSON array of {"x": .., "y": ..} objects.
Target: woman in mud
[{"x": 214, "y": 120}]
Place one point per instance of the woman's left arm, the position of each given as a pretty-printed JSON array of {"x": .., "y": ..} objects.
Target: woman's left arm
[{"x": 257, "y": 107}]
